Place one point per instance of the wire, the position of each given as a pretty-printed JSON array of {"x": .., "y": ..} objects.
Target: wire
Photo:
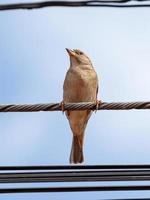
[
  {"x": 71, "y": 173},
  {"x": 75, "y": 176},
  {"x": 96, "y": 3},
  {"x": 76, "y": 167},
  {"x": 74, "y": 106},
  {"x": 75, "y": 189}
]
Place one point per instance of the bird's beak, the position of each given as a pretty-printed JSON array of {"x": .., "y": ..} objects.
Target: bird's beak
[{"x": 70, "y": 52}]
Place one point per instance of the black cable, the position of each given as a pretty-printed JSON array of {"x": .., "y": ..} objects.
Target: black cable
[
  {"x": 75, "y": 189},
  {"x": 79, "y": 167},
  {"x": 75, "y": 176},
  {"x": 72, "y": 173},
  {"x": 97, "y": 3}
]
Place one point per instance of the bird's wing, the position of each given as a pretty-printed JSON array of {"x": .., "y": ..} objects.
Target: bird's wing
[{"x": 97, "y": 91}]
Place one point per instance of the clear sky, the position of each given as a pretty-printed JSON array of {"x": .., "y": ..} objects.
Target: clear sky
[{"x": 33, "y": 63}]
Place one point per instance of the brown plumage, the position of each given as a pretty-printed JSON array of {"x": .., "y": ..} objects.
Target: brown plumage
[{"x": 80, "y": 85}]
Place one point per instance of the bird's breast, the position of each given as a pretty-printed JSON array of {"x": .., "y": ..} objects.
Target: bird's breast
[{"x": 80, "y": 85}]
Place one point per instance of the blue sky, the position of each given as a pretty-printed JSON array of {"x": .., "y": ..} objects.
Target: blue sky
[{"x": 33, "y": 63}]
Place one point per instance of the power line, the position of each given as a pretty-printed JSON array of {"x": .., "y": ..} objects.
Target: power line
[
  {"x": 75, "y": 189},
  {"x": 75, "y": 167},
  {"x": 14, "y": 174},
  {"x": 74, "y": 106},
  {"x": 96, "y": 3},
  {"x": 75, "y": 176},
  {"x": 71, "y": 173}
]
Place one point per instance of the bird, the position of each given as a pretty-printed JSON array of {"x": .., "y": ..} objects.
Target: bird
[{"x": 80, "y": 85}]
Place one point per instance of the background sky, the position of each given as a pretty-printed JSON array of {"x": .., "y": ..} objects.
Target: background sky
[{"x": 33, "y": 64}]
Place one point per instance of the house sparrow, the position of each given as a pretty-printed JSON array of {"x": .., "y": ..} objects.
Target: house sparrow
[{"x": 80, "y": 85}]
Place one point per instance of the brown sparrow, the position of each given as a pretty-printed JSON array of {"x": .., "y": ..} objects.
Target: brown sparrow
[{"x": 80, "y": 85}]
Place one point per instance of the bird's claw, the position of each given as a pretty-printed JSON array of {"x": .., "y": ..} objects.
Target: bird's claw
[
  {"x": 98, "y": 103},
  {"x": 62, "y": 104}
]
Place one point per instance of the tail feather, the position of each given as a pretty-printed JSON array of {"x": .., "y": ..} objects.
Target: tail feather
[{"x": 76, "y": 155}]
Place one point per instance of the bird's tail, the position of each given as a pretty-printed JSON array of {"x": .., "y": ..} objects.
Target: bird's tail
[{"x": 76, "y": 155}]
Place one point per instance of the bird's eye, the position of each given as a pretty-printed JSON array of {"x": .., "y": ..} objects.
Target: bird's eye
[{"x": 80, "y": 53}]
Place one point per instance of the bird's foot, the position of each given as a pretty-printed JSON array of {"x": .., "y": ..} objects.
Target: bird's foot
[
  {"x": 62, "y": 104},
  {"x": 98, "y": 103}
]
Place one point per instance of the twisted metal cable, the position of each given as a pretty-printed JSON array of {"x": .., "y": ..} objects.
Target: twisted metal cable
[
  {"x": 74, "y": 106},
  {"x": 90, "y": 3}
]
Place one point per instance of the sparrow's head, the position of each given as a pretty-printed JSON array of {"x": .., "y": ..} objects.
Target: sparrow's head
[{"x": 77, "y": 57}]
